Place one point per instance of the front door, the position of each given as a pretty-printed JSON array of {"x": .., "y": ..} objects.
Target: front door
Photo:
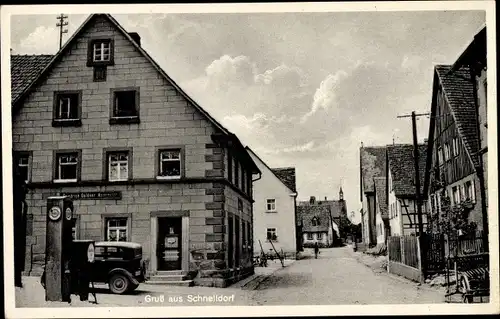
[{"x": 169, "y": 249}]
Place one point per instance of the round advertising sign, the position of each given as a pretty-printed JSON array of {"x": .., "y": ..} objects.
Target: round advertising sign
[
  {"x": 55, "y": 213},
  {"x": 68, "y": 213},
  {"x": 90, "y": 253}
]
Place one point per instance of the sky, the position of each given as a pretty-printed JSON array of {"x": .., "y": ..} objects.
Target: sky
[{"x": 302, "y": 90}]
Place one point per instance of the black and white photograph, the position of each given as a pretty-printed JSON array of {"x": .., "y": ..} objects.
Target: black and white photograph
[{"x": 325, "y": 158}]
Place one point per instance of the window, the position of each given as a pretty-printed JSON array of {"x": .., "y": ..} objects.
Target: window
[
  {"x": 440, "y": 156},
  {"x": 315, "y": 221},
  {"x": 23, "y": 162},
  {"x": 170, "y": 163},
  {"x": 116, "y": 229},
  {"x": 243, "y": 176},
  {"x": 244, "y": 235},
  {"x": 67, "y": 108},
  {"x": 236, "y": 173},
  {"x": 271, "y": 234},
  {"x": 229, "y": 166},
  {"x": 125, "y": 106},
  {"x": 456, "y": 195},
  {"x": 455, "y": 146},
  {"x": 100, "y": 52},
  {"x": 469, "y": 190},
  {"x": 118, "y": 166},
  {"x": 67, "y": 166},
  {"x": 100, "y": 73},
  {"x": 433, "y": 203},
  {"x": 309, "y": 236},
  {"x": 446, "y": 152},
  {"x": 319, "y": 236},
  {"x": 462, "y": 192},
  {"x": 271, "y": 205},
  {"x": 240, "y": 205}
]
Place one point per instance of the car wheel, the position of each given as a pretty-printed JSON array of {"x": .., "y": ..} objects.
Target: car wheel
[{"x": 119, "y": 284}]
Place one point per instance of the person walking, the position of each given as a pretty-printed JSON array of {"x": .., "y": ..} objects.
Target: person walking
[{"x": 316, "y": 250}]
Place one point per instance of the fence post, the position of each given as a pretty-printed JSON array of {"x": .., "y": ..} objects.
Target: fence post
[
  {"x": 388, "y": 253},
  {"x": 419, "y": 258},
  {"x": 402, "y": 243}
]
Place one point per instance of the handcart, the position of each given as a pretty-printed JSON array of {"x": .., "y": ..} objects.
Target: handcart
[{"x": 469, "y": 277}]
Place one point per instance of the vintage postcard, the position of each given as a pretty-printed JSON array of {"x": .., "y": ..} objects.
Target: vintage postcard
[{"x": 250, "y": 159}]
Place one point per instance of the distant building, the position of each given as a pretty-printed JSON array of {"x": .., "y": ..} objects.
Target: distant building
[
  {"x": 382, "y": 216},
  {"x": 317, "y": 219},
  {"x": 274, "y": 214},
  {"x": 401, "y": 189},
  {"x": 372, "y": 164}
]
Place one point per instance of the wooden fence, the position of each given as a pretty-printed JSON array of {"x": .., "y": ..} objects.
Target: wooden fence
[{"x": 404, "y": 257}]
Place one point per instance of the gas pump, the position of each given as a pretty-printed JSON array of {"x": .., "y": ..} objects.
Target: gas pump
[
  {"x": 58, "y": 247},
  {"x": 82, "y": 258}
]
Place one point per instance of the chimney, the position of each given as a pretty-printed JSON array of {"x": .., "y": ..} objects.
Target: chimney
[
  {"x": 312, "y": 200},
  {"x": 136, "y": 37}
]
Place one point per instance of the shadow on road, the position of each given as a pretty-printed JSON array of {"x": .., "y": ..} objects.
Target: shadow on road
[
  {"x": 286, "y": 280},
  {"x": 106, "y": 291}
]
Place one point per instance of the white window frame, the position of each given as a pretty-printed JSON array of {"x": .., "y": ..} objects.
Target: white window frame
[
  {"x": 455, "y": 146},
  {"x": 119, "y": 163},
  {"x": 161, "y": 161},
  {"x": 319, "y": 236},
  {"x": 59, "y": 170},
  {"x": 472, "y": 195},
  {"x": 440, "y": 156},
  {"x": 119, "y": 229},
  {"x": 273, "y": 231},
  {"x": 27, "y": 165},
  {"x": 456, "y": 194},
  {"x": 310, "y": 236},
  {"x": 101, "y": 46},
  {"x": 271, "y": 205},
  {"x": 446, "y": 152}
]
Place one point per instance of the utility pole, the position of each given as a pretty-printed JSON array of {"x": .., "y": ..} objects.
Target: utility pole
[
  {"x": 417, "y": 182},
  {"x": 61, "y": 24}
]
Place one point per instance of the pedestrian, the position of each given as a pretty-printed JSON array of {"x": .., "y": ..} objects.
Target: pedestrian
[{"x": 316, "y": 250}]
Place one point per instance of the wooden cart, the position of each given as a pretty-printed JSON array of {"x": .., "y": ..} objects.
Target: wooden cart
[{"x": 469, "y": 277}]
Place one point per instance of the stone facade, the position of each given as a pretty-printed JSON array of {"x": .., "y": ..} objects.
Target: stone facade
[{"x": 166, "y": 119}]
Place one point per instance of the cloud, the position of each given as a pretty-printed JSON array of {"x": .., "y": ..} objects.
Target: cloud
[{"x": 324, "y": 97}]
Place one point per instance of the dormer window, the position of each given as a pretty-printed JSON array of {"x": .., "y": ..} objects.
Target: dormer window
[
  {"x": 315, "y": 221},
  {"x": 100, "y": 52}
]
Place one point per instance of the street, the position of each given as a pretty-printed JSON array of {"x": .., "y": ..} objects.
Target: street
[{"x": 335, "y": 278}]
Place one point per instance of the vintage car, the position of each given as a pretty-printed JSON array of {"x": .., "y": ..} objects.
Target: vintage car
[{"x": 119, "y": 264}]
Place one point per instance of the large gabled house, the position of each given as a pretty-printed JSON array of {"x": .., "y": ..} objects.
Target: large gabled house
[
  {"x": 453, "y": 146},
  {"x": 401, "y": 189},
  {"x": 372, "y": 164},
  {"x": 102, "y": 123},
  {"x": 274, "y": 210}
]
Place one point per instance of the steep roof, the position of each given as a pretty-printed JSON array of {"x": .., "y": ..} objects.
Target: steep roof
[
  {"x": 459, "y": 92},
  {"x": 286, "y": 175},
  {"x": 380, "y": 189},
  {"x": 306, "y": 213},
  {"x": 402, "y": 168},
  {"x": 24, "y": 69},
  {"x": 372, "y": 162}
]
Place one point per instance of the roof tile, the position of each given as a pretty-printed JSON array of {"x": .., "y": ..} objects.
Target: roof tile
[
  {"x": 24, "y": 70},
  {"x": 286, "y": 176},
  {"x": 402, "y": 168}
]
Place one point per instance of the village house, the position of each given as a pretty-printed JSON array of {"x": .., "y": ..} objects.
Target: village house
[
  {"x": 274, "y": 210},
  {"x": 101, "y": 122},
  {"x": 372, "y": 164},
  {"x": 318, "y": 220},
  {"x": 401, "y": 189},
  {"x": 453, "y": 159},
  {"x": 474, "y": 56},
  {"x": 381, "y": 214}
]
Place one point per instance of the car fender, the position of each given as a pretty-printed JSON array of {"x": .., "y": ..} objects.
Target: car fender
[{"x": 123, "y": 272}]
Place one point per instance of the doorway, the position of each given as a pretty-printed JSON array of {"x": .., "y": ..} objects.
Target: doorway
[{"x": 169, "y": 243}]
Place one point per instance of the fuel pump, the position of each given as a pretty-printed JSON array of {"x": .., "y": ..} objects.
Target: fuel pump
[
  {"x": 58, "y": 247},
  {"x": 82, "y": 258}
]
